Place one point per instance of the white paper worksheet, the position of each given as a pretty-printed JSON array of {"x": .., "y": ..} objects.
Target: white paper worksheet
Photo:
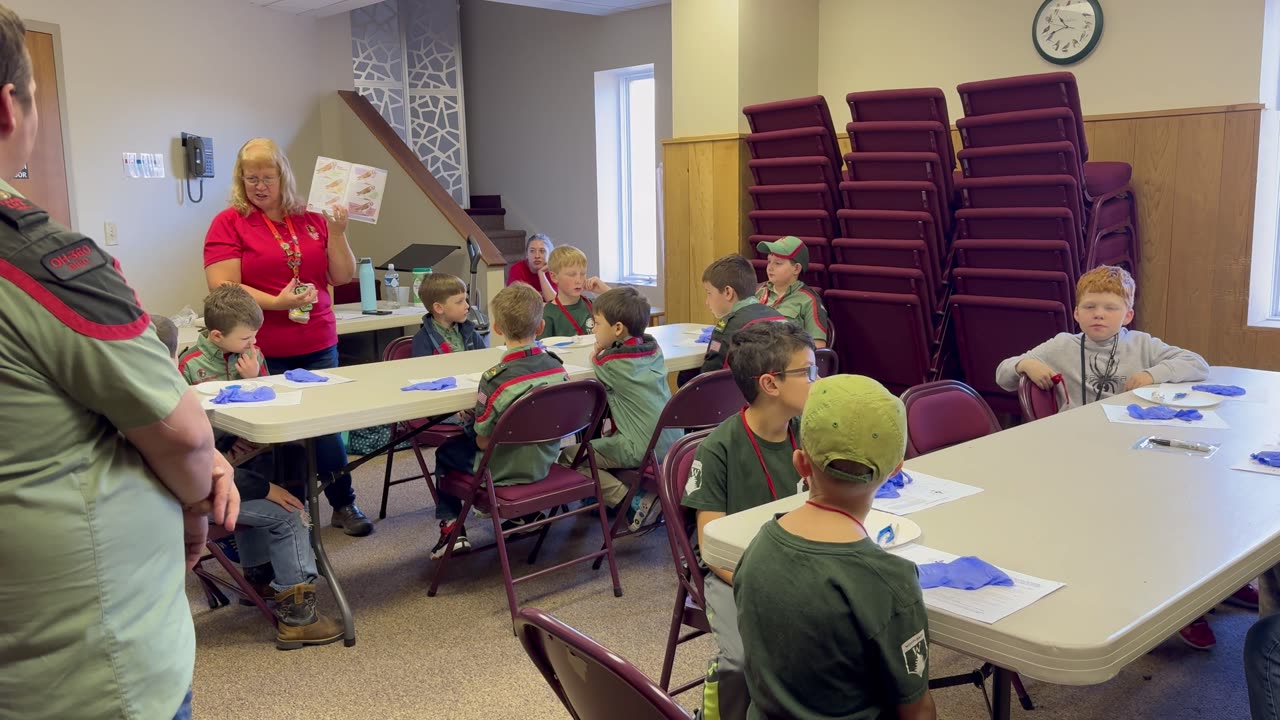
[
  {"x": 1120, "y": 414},
  {"x": 1250, "y": 465},
  {"x": 281, "y": 399},
  {"x": 923, "y": 492},
  {"x": 988, "y": 604},
  {"x": 334, "y": 379}
]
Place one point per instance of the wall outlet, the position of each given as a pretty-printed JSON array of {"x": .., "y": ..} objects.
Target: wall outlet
[{"x": 109, "y": 235}]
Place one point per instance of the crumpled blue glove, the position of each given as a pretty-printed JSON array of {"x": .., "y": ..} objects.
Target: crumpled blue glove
[
  {"x": 304, "y": 376},
  {"x": 1270, "y": 458},
  {"x": 892, "y": 485},
  {"x": 1160, "y": 412},
  {"x": 1227, "y": 390},
  {"x": 963, "y": 573},
  {"x": 445, "y": 383},
  {"x": 237, "y": 394},
  {"x": 705, "y": 335}
]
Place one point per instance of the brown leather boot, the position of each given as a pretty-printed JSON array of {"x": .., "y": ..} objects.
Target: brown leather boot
[{"x": 300, "y": 624}]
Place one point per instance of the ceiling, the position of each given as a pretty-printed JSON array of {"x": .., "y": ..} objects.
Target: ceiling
[{"x": 325, "y": 8}]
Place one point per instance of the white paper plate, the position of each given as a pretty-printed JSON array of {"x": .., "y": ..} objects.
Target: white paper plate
[
  {"x": 213, "y": 387},
  {"x": 1162, "y": 395},
  {"x": 555, "y": 341}
]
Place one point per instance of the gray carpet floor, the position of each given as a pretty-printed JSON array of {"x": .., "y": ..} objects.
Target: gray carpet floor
[{"x": 454, "y": 656}]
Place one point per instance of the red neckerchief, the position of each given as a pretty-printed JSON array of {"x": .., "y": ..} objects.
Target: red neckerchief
[{"x": 759, "y": 455}]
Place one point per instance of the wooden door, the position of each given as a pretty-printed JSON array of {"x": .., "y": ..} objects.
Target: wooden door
[{"x": 46, "y": 184}]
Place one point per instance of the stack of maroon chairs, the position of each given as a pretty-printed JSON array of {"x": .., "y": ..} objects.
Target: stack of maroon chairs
[
  {"x": 796, "y": 168},
  {"x": 1025, "y": 147},
  {"x": 890, "y": 255}
]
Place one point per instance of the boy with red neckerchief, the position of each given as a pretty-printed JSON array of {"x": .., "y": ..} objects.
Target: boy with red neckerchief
[
  {"x": 744, "y": 463},
  {"x": 570, "y": 313},
  {"x": 446, "y": 328}
]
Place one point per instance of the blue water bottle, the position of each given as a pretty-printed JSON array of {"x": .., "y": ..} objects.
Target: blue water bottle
[{"x": 368, "y": 287}]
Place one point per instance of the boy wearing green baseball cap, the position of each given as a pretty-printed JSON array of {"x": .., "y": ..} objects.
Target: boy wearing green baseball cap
[
  {"x": 788, "y": 257},
  {"x": 833, "y": 626}
]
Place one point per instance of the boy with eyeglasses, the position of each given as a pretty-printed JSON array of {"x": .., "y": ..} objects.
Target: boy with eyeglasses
[{"x": 744, "y": 463}]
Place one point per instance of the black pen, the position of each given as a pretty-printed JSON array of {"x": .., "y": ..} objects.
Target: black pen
[{"x": 1182, "y": 444}]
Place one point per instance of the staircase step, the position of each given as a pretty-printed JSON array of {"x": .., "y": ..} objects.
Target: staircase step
[
  {"x": 489, "y": 222},
  {"x": 509, "y": 242},
  {"x": 486, "y": 201}
]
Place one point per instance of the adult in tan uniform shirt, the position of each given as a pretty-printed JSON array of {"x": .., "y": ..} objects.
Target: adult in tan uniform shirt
[{"x": 104, "y": 446}]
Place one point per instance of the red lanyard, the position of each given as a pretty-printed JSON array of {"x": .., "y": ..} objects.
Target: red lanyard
[
  {"x": 828, "y": 508},
  {"x": 292, "y": 253},
  {"x": 576, "y": 327},
  {"x": 759, "y": 455},
  {"x": 767, "y": 292}
]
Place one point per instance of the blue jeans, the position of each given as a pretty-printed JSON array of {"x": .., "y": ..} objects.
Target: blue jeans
[
  {"x": 1262, "y": 668},
  {"x": 184, "y": 711},
  {"x": 330, "y": 453},
  {"x": 267, "y": 533},
  {"x": 457, "y": 453}
]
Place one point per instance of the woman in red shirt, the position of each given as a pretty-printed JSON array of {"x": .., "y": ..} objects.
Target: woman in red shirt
[
  {"x": 533, "y": 271},
  {"x": 287, "y": 258}
]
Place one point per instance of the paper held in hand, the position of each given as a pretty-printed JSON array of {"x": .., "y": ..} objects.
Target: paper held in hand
[{"x": 336, "y": 183}]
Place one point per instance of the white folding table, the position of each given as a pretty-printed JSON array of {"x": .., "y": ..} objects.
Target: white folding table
[
  {"x": 350, "y": 320},
  {"x": 1146, "y": 541},
  {"x": 375, "y": 398}
]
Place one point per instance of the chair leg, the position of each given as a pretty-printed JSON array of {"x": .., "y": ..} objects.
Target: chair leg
[
  {"x": 386, "y": 482},
  {"x": 507, "y": 579},
  {"x": 1023, "y": 697},
  {"x": 673, "y": 639},
  {"x": 426, "y": 471},
  {"x": 542, "y": 536},
  {"x": 608, "y": 541}
]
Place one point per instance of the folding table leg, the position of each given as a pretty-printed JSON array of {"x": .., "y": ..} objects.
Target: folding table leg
[
  {"x": 317, "y": 543},
  {"x": 1001, "y": 693}
]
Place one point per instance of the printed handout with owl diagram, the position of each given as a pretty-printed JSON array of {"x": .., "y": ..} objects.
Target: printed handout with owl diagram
[{"x": 359, "y": 187}]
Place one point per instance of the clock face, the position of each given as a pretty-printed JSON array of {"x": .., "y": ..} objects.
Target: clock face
[{"x": 1065, "y": 31}]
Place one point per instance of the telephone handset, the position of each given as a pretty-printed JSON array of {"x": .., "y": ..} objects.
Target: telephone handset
[{"x": 199, "y": 161}]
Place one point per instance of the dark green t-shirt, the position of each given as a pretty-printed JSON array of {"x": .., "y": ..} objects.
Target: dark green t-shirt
[
  {"x": 726, "y": 475},
  {"x": 830, "y": 630},
  {"x": 558, "y": 319}
]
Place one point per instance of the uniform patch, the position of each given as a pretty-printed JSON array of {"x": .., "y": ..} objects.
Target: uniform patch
[
  {"x": 915, "y": 652},
  {"x": 315, "y": 234},
  {"x": 591, "y": 323},
  {"x": 18, "y": 212},
  {"x": 481, "y": 398},
  {"x": 74, "y": 260},
  {"x": 721, "y": 325},
  {"x": 695, "y": 478},
  {"x": 714, "y": 346}
]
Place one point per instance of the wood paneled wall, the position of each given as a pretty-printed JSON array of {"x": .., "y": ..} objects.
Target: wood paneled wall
[{"x": 1194, "y": 174}]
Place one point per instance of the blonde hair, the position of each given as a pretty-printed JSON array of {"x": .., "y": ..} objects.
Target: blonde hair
[
  {"x": 564, "y": 257},
  {"x": 1107, "y": 279},
  {"x": 438, "y": 288},
  {"x": 265, "y": 151},
  {"x": 517, "y": 308}
]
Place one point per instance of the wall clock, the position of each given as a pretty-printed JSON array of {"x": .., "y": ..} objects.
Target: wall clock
[{"x": 1066, "y": 31}]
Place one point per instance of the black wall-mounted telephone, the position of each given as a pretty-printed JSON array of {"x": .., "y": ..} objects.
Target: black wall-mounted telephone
[{"x": 199, "y": 161}]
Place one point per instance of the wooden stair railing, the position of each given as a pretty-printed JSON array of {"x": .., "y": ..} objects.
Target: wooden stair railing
[{"x": 426, "y": 182}]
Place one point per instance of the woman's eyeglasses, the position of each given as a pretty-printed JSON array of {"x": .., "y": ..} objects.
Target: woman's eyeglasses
[{"x": 265, "y": 180}]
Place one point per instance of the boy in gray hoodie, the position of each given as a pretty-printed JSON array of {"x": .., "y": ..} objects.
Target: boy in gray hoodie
[{"x": 1106, "y": 359}]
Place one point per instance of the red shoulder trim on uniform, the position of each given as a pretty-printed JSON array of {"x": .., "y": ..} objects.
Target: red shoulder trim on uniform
[
  {"x": 182, "y": 363},
  {"x": 69, "y": 317},
  {"x": 625, "y": 356},
  {"x": 488, "y": 405},
  {"x": 814, "y": 308}
]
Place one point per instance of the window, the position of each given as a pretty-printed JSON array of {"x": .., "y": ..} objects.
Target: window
[
  {"x": 627, "y": 174},
  {"x": 1264, "y": 281}
]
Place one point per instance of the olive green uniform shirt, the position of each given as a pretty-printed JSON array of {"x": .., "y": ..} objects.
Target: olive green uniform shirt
[
  {"x": 558, "y": 323},
  {"x": 800, "y": 303},
  {"x": 634, "y": 374},
  {"x": 522, "y": 370},
  {"x": 727, "y": 476}
]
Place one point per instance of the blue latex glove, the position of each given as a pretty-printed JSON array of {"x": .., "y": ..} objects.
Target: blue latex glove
[
  {"x": 964, "y": 573},
  {"x": 1227, "y": 390},
  {"x": 1270, "y": 458},
  {"x": 237, "y": 394},
  {"x": 1161, "y": 412},
  {"x": 891, "y": 486},
  {"x": 446, "y": 383},
  {"x": 304, "y": 376},
  {"x": 705, "y": 335}
]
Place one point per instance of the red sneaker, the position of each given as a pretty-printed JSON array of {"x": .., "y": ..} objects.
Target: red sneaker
[
  {"x": 1198, "y": 635},
  {"x": 1246, "y": 597}
]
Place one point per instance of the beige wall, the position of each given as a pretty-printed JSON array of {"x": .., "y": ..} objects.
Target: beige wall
[
  {"x": 1154, "y": 54},
  {"x": 530, "y": 77},
  {"x": 778, "y": 57},
  {"x": 704, "y": 53},
  {"x": 136, "y": 76}
]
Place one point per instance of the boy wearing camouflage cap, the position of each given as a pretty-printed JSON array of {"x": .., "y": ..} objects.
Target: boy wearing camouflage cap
[
  {"x": 814, "y": 584},
  {"x": 788, "y": 258}
]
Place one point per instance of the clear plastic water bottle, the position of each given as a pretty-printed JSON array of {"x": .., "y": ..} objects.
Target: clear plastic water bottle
[
  {"x": 391, "y": 287},
  {"x": 419, "y": 274}
]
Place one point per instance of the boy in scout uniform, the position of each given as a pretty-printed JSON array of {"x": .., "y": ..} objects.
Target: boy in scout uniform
[
  {"x": 517, "y": 316},
  {"x": 730, "y": 285},
  {"x": 568, "y": 313},
  {"x": 744, "y": 463},
  {"x": 226, "y": 350},
  {"x": 814, "y": 583},
  {"x": 788, "y": 257},
  {"x": 633, "y": 371}
]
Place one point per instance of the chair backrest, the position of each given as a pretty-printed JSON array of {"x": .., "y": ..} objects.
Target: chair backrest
[
  {"x": 945, "y": 413},
  {"x": 809, "y": 196},
  {"x": 794, "y": 170},
  {"x": 807, "y": 223},
  {"x": 796, "y": 142},
  {"x": 870, "y": 278},
  {"x": 1046, "y": 255},
  {"x": 788, "y": 114},
  {"x": 591, "y": 680},
  {"x": 882, "y": 335},
  {"x": 885, "y": 253},
  {"x": 761, "y": 266},
  {"x": 900, "y": 195},
  {"x": 902, "y": 104},
  {"x": 1017, "y": 223},
  {"x": 1025, "y": 92},
  {"x": 398, "y": 349},
  {"x": 819, "y": 247},
  {"x": 1036, "y": 403},
  {"x": 1021, "y": 128},
  {"x": 704, "y": 402},
  {"x": 990, "y": 329},
  {"x": 901, "y": 136},
  {"x": 827, "y": 361},
  {"x": 903, "y": 166},
  {"x": 815, "y": 276},
  {"x": 1060, "y": 191},
  {"x": 674, "y": 478},
  {"x": 550, "y": 413},
  {"x": 1033, "y": 284},
  {"x": 1047, "y": 158}
]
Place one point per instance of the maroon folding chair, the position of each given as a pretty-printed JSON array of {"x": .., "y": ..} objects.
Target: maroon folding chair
[
  {"x": 1032, "y": 284},
  {"x": 214, "y": 585},
  {"x": 802, "y": 223},
  {"x": 885, "y": 336},
  {"x": 899, "y": 195},
  {"x": 1036, "y": 403},
  {"x": 1045, "y": 255},
  {"x": 819, "y": 247},
  {"x": 810, "y": 196},
  {"x": 879, "y": 279},
  {"x": 590, "y": 680},
  {"x": 761, "y": 266},
  {"x": 902, "y": 104},
  {"x": 885, "y": 253},
  {"x": 826, "y": 359},
  {"x": 805, "y": 112},
  {"x": 1025, "y": 92},
  {"x": 990, "y": 329},
  {"x": 690, "y": 610},
  {"x": 894, "y": 225},
  {"x": 795, "y": 142},
  {"x": 795, "y": 171},
  {"x": 399, "y": 349},
  {"x": 902, "y": 167},
  {"x": 900, "y": 136},
  {"x": 815, "y": 276},
  {"x": 545, "y": 415},
  {"x": 945, "y": 413}
]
